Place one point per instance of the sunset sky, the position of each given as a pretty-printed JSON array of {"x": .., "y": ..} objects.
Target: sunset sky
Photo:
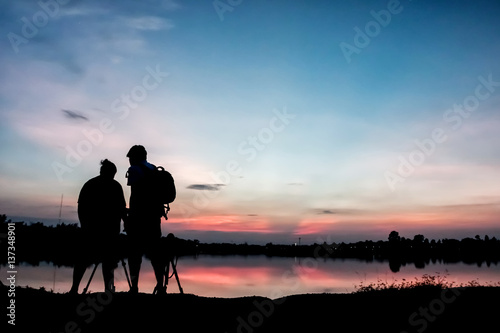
[{"x": 324, "y": 120}]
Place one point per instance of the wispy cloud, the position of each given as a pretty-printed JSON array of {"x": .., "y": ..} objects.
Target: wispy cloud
[
  {"x": 81, "y": 10},
  {"x": 74, "y": 115},
  {"x": 342, "y": 211},
  {"x": 205, "y": 187},
  {"x": 170, "y": 5},
  {"x": 152, "y": 23}
]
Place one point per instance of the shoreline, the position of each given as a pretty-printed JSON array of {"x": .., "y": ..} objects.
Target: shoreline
[{"x": 398, "y": 251}]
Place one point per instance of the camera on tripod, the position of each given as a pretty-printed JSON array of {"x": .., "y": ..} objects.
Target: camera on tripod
[{"x": 168, "y": 250}]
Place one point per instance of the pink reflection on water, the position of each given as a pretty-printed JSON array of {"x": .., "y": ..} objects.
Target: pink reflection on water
[
  {"x": 236, "y": 276},
  {"x": 224, "y": 281}
]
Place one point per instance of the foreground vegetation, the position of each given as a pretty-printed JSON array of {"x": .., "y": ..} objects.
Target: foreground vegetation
[
  {"x": 426, "y": 281},
  {"x": 417, "y": 308}
]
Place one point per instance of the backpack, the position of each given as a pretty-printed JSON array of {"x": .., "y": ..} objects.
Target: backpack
[
  {"x": 161, "y": 186},
  {"x": 165, "y": 185}
]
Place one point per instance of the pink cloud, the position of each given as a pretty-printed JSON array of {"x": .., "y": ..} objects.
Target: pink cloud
[{"x": 224, "y": 223}]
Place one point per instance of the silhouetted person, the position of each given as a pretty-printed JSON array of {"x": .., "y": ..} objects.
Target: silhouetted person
[
  {"x": 101, "y": 207},
  {"x": 143, "y": 224}
]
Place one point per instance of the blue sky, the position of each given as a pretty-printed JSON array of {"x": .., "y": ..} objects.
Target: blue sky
[{"x": 198, "y": 87}]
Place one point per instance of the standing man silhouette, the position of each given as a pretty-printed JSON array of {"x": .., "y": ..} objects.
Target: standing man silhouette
[
  {"x": 101, "y": 207},
  {"x": 144, "y": 220}
]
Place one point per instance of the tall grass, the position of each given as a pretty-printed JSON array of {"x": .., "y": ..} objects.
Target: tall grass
[{"x": 426, "y": 281}]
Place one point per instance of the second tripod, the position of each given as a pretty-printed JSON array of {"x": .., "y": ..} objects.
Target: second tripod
[
  {"x": 174, "y": 272},
  {"x": 93, "y": 272}
]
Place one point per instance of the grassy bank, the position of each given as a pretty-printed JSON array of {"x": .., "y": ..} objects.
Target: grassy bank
[{"x": 417, "y": 308}]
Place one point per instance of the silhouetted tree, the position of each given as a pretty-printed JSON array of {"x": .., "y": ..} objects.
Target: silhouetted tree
[
  {"x": 57, "y": 244},
  {"x": 418, "y": 239},
  {"x": 394, "y": 237}
]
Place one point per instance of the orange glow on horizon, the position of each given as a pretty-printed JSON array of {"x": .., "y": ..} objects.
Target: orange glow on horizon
[
  {"x": 459, "y": 217},
  {"x": 425, "y": 218},
  {"x": 224, "y": 223}
]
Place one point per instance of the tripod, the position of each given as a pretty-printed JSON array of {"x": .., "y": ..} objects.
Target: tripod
[
  {"x": 174, "y": 272},
  {"x": 124, "y": 265}
]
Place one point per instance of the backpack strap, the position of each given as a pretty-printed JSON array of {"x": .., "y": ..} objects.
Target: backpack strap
[{"x": 166, "y": 210}]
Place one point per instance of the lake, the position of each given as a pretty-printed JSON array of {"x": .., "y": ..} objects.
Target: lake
[{"x": 235, "y": 276}]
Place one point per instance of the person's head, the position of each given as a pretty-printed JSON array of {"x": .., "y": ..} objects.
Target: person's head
[
  {"x": 108, "y": 169},
  {"x": 137, "y": 154}
]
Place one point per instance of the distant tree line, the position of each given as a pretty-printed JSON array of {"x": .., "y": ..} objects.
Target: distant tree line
[{"x": 36, "y": 242}]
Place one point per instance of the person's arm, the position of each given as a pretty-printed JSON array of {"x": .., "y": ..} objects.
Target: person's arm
[
  {"x": 122, "y": 205},
  {"x": 134, "y": 173},
  {"x": 83, "y": 206}
]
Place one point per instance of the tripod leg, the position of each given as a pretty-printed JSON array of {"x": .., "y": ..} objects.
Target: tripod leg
[
  {"x": 126, "y": 273},
  {"x": 90, "y": 279},
  {"x": 177, "y": 277},
  {"x": 167, "y": 272}
]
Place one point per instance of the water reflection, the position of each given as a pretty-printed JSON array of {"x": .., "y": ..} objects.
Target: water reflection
[{"x": 235, "y": 276}]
